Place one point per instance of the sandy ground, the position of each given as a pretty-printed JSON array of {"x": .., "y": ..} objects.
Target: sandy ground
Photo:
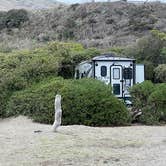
[{"x": 80, "y": 145}]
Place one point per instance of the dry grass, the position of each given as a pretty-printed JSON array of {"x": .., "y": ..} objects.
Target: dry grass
[{"x": 80, "y": 145}]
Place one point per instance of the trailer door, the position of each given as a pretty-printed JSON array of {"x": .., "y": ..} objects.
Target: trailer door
[{"x": 117, "y": 80}]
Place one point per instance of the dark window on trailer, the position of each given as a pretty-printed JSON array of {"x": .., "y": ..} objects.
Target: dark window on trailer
[
  {"x": 77, "y": 74},
  {"x": 128, "y": 73},
  {"x": 116, "y": 89},
  {"x": 116, "y": 73},
  {"x": 103, "y": 71}
]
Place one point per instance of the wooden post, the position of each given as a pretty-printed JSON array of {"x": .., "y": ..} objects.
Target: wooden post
[{"x": 58, "y": 113}]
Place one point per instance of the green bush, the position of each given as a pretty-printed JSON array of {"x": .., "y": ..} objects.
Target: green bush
[
  {"x": 86, "y": 102},
  {"x": 149, "y": 50},
  {"x": 92, "y": 103},
  {"x": 20, "y": 69},
  {"x": 75, "y": 57},
  {"x": 149, "y": 116},
  {"x": 160, "y": 73},
  {"x": 157, "y": 101},
  {"x": 149, "y": 71},
  {"x": 2, "y": 20},
  {"x": 14, "y": 18},
  {"x": 140, "y": 93},
  {"x": 151, "y": 99},
  {"x": 37, "y": 101},
  {"x": 3, "y": 98}
]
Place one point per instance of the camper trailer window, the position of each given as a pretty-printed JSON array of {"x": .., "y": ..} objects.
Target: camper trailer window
[
  {"x": 127, "y": 73},
  {"x": 116, "y": 73},
  {"x": 103, "y": 71},
  {"x": 116, "y": 89},
  {"x": 77, "y": 74}
]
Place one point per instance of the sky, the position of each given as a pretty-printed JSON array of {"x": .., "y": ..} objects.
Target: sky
[{"x": 82, "y": 1}]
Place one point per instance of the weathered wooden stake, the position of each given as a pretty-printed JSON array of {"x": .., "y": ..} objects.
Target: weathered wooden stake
[{"x": 58, "y": 112}]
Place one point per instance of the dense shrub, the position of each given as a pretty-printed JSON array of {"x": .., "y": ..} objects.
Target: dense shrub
[
  {"x": 13, "y": 18},
  {"x": 160, "y": 73},
  {"x": 2, "y": 20},
  {"x": 37, "y": 101},
  {"x": 157, "y": 100},
  {"x": 151, "y": 99},
  {"x": 140, "y": 93},
  {"x": 3, "y": 98},
  {"x": 149, "y": 70},
  {"x": 87, "y": 102},
  {"x": 69, "y": 63},
  {"x": 92, "y": 103},
  {"x": 149, "y": 50},
  {"x": 149, "y": 116},
  {"x": 20, "y": 69}
]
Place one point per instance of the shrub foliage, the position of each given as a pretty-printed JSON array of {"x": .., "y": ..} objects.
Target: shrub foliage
[
  {"x": 13, "y": 18},
  {"x": 151, "y": 99},
  {"x": 86, "y": 102},
  {"x": 21, "y": 69}
]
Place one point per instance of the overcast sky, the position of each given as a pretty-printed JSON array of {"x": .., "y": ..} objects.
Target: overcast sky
[{"x": 82, "y": 1}]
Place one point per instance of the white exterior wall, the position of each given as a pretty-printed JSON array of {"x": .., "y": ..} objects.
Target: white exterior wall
[
  {"x": 108, "y": 64},
  {"x": 98, "y": 76},
  {"x": 84, "y": 68},
  {"x": 140, "y": 77}
]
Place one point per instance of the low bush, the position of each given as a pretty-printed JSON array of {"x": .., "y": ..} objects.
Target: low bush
[
  {"x": 151, "y": 99},
  {"x": 20, "y": 69},
  {"x": 13, "y": 18},
  {"x": 92, "y": 103},
  {"x": 16, "y": 17},
  {"x": 140, "y": 93},
  {"x": 157, "y": 101},
  {"x": 160, "y": 73},
  {"x": 86, "y": 102},
  {"x": 3, "y": 98},
  {"x": 149, "y": 116},
  {"x": 36, "y": 100}
]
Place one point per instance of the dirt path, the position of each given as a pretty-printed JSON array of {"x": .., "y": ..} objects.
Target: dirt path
[{"x": 80, "y": 145}]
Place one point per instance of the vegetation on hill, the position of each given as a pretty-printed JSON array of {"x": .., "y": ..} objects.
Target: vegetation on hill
[
  {"x": 99, "y": 25},
  {"x": 13, "y": 19}
]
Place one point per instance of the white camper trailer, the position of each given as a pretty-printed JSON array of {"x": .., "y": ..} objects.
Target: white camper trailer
[{"x": 121, "y": 73}]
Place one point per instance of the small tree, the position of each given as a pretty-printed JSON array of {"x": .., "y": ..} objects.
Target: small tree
[
  {"x": 160, "y": 73},
  {"x": 151, "y": 51},
  {"x": 14, "y": 18}
]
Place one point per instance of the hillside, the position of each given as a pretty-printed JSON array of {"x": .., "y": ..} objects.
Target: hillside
[
  {"x": 101, "y": 25},
  {"x": 30, "y": 4}
]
